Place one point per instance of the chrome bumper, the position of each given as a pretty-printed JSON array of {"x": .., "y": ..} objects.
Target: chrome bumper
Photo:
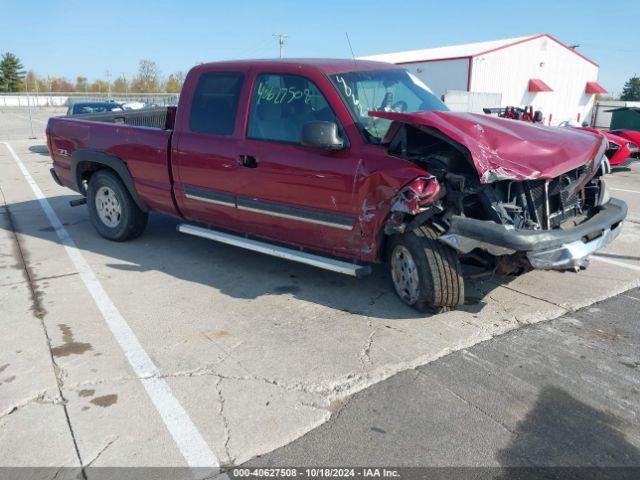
[
  {"x": 571, "y": 255},
  {"x": 555, "y": 249}
]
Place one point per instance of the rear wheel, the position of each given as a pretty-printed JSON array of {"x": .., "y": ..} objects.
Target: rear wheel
[
  {"x": 112, "y": 211},
  {"x": 426, "y": 274}
]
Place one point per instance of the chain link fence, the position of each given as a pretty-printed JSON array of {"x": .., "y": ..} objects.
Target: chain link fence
[{"x": 42, "y": 100}]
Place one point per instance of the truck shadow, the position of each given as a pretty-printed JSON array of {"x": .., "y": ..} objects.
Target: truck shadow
[
  {"x": 40, "y": 149},
  {"x": 561, "y": 432},
  {"x": 232, "y": 271}
]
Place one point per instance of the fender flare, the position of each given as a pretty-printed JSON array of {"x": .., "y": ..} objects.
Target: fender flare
[{"x": 108, "y": 160}]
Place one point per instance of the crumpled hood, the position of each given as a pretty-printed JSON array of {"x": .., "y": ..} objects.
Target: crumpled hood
[{"x": 508, "y": 149}]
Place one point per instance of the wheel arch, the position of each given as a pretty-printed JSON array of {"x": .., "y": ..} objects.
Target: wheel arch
[{"x": 86, "y": 162}]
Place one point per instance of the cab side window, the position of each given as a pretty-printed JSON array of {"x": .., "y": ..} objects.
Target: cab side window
[
  {"x": 215, "y": 103},
  {"x": 282, "y": 104}
]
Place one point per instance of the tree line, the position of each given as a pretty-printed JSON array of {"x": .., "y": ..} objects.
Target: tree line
[{"x": 149, "y": 79}]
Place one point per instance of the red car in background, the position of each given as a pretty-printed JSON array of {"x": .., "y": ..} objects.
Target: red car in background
[
  {"x": 623, "y": 146},
  {"x": 631, "y": 136}
]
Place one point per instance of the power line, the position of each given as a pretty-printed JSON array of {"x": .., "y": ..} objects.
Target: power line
[{"x": 258, "y": 48}]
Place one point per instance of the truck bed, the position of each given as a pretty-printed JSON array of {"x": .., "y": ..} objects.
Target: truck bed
[
  {"x": 140, "y": 138},
  {"x": 163, "y": 118}
]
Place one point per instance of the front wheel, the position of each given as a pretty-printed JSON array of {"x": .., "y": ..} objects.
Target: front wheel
[
  {"x": 112, "y": 210},
  {"x": 426, "y": 274}
]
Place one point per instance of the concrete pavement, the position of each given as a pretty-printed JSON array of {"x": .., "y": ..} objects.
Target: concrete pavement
[{"x": 564, "y": 393}]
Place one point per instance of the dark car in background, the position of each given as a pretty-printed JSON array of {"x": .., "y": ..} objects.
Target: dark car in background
[{"x": 80, "y": 108}]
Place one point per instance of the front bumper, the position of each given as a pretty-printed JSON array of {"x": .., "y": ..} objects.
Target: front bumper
[{"x": 555, "y": 249}]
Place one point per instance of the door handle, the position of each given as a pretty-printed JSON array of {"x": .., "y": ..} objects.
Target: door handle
[{"x": 248, "y": 161}]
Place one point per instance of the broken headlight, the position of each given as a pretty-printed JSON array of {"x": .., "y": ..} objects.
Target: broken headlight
[{"x": 415, "y": 195}]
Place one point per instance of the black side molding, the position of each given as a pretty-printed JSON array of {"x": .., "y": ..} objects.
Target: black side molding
[
  {"x": 83, "y": 158},
  {"x": 336, "y": 220},
  {"x": 275, "y": 209},
  {"x": 55, "y": 176}
]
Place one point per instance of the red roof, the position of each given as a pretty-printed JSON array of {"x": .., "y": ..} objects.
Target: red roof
[
  {"x": 537, "y": 85},
  {"x": 594, "y": 87}
]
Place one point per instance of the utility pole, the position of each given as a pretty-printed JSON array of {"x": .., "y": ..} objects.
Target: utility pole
[
  {"x": 26, "y": 85},
  {"x": 281, "y": 37},
  {"x": 126, "y": 87},
  {"x": 108, "y": 75}
]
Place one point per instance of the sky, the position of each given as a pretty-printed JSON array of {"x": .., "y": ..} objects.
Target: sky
[{"x": 73, "y": 37}]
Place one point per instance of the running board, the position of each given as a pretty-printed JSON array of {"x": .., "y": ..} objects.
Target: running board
[{"x": 334, "y": 265}]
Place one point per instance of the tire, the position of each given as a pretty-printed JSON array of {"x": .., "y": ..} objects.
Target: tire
[
  {"x": 112, "y": 211},
  {"x": 436, "y": 269}
]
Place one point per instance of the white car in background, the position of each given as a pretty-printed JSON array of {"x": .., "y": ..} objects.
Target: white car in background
[{"x": 133, "y": 105}]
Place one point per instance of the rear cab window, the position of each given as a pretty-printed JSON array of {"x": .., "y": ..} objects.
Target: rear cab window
[
  {"x": 215, "y": 103},
  {"x": 281, "y": 104}
]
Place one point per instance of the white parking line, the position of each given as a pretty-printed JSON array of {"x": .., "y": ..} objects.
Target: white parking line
[
  {"x": 616, "y": 262},
  {"x": 187, "y": 437},
  {"x": 623, "y": 190}
]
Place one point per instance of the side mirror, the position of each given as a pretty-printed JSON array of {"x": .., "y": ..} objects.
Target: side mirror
[{"x": 324, "y": 135}]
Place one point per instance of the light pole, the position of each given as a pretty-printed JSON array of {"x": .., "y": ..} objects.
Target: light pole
[
  {"x": 26, "y": 87},
  {"x": 281, "y": 37},
  {"x": 108, "y": 75}
]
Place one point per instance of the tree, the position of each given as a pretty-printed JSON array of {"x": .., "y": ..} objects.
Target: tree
[
  {"x": 174, "y": 83},
  {"x": 99, "y": 86},
  {"x": 81, "y": 84},
  {"x": 120, "y": 85},
  {"x": 31, "y": 81},
  {"x": 11, "y": 73},
  {"x": 631, "y": 90},
  {"x": 147, "y": 80},
  {"x": 61, "y": 85},
  {"x": 44, "y": 84}
]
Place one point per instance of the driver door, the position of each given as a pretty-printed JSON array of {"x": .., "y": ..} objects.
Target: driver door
[{"x": 290, "y": 192}]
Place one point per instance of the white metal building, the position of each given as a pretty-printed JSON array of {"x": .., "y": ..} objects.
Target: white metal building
[{"x": 538, "y": 70}]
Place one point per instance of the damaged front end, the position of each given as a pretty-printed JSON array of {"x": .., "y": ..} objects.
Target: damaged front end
[{"x": 529, "y": 217}]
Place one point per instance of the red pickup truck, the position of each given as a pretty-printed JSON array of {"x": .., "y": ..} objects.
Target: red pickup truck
[{"x": 340, "y": 164}]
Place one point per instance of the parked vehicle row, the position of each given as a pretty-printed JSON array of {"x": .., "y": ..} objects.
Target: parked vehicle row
[{"x": 340, "y": 164}]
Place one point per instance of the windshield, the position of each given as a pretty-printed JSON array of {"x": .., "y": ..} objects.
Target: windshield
[
  {"x": 383, "y": 90},
  {"x": 81, "y": 108}
]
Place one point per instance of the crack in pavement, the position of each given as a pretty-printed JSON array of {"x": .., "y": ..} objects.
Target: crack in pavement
[
  {"x": 35, "y": 280},
  {"x": 40, "y": 397},
  {"x": 563, "y": 307},
  {"x": 365, "y": 353},
  {"x": 101, "y": 451},
  {"x": 225, "y": 422},
  {"x": 474, "y": 406}
]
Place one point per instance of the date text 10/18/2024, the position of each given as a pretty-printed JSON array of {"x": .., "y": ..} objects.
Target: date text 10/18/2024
[{"x": 304, "y": 473}]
